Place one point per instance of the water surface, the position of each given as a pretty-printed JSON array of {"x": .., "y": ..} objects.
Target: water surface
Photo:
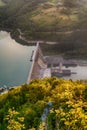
[
  {"x": 14, "y": 61},
  {"x": 81, "y": 73}
]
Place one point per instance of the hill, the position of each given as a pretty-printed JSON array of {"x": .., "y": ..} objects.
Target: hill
[
  {"x": 49, "y": 20},
  {"x": 61, "y": 103}
]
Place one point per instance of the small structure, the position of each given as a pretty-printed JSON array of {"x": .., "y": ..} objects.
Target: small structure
[
  {"x": 31, "y": 59},
  {"x": 58, "y": 71},
  {"x": 47, "y": 73}
]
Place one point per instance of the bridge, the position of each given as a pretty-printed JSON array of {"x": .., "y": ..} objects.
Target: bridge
[{"x": 38, "y": 64}]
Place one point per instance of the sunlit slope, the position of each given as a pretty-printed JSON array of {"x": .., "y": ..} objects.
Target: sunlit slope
[{"x": 68, "y": 109}]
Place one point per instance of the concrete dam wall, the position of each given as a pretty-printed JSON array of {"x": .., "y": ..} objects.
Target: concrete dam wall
[{"x": 38, "y": 64}]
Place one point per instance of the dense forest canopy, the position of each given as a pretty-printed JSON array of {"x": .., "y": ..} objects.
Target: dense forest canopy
[
  {"x": 64, "y": 21},
  {"x": 22, "y": 107}
]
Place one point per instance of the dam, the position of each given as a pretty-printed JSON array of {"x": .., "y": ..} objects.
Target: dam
[
  {"x": 39, "y": 64},
  {"x": 55, "y": 66}
]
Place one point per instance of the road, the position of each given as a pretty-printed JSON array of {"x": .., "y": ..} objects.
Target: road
[{"x": 34, "y": 41}]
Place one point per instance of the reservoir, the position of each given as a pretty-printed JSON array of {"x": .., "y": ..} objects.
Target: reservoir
[{"x": 14, "y": 61}]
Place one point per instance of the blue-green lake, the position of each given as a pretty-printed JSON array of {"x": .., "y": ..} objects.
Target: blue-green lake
[{"x": 14, "y": 61}]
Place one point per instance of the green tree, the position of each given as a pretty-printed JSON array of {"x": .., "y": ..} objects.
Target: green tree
[{"x": 14, "y": 122}]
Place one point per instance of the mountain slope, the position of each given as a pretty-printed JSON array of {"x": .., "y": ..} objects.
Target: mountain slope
[
  {"x": 41, "y": 13},
  {"x": 51, "y": 20}
]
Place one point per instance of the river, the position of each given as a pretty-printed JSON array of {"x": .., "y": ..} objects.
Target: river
[{"x": 14, "y": 61}]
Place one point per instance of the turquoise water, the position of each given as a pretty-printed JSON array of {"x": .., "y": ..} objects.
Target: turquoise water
[{"x": 14, "y": 61}]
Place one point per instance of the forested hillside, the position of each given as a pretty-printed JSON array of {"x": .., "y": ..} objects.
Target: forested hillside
[
  {"x": 66, "y": 100},
  {"x": 63, "y": 21}
]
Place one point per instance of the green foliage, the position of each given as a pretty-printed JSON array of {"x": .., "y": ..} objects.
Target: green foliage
[
  {"x": 69, "y": 109},
  {"x": 14, "y": 122},
  {"x": 63, "y": 21}
]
